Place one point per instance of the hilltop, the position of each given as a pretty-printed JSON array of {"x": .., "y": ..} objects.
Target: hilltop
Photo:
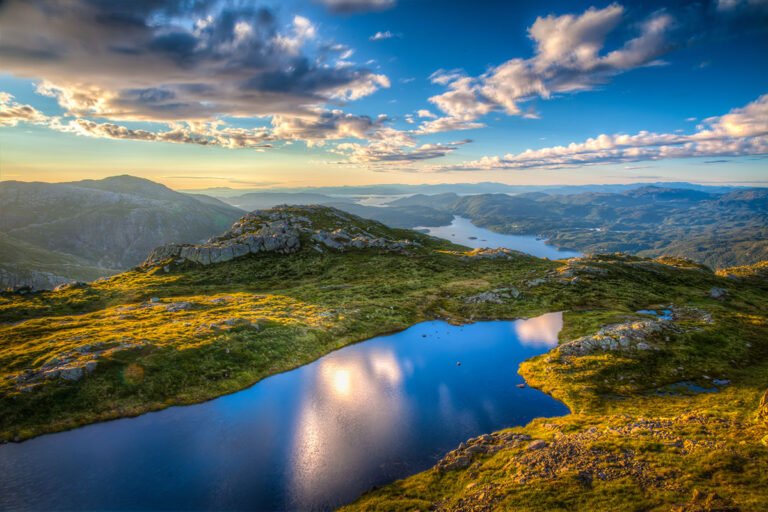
[
  {"x": 181, "y": 329},
  {"x": 94, "y": 228}
]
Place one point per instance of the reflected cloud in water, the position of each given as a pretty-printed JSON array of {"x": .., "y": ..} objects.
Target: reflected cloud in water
[{"x": 541, "y": 331}]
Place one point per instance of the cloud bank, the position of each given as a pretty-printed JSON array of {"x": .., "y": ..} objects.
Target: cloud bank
[{"x": 741, "y": 132}]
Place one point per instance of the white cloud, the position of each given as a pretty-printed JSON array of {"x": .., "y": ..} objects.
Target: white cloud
[
  {"x": 729, "y": 5},
  {"x": 390, "y": 148},
  {"x": 742, "y": 131},
  {"x": 201, "y": 134},
  {"x": 380, "y": 36},
  {"x": 365, "y": 85},
  {"x": 12, "y": 113},
  {"x": 569, "y": 56},
  {"x": 327, "y": 125}
]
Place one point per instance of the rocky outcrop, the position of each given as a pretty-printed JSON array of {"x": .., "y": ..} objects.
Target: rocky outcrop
[
  {"x": 639, "y": 335},
  {"x": 497, "y": 296},
  {"x": 493, "y": 254},
  {"x": 462, "y": 457},
  {"x": 626, "y": 336},
  {"x": 282, "y": 230},
  {"x": 12, "y": 278},
  {"x": 69, "y": 366}
]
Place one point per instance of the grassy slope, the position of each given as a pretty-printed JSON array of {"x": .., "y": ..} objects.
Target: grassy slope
[
  {"x": 300, "y": 307},
  {"x": 21, "y": 258}
]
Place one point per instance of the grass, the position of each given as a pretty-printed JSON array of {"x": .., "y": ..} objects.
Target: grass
[{"x": 194, "y": 333}]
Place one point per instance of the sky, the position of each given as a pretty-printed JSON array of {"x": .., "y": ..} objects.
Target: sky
[{"x": 253, "y": 94}]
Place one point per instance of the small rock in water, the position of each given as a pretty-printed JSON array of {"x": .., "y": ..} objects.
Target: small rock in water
[{"x": 458, "y": 363}]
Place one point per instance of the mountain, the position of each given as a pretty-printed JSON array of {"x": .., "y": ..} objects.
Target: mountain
[
  {"x": 664, "y": 408},
  {"x": 460, "y": 188},
  {"x": 717, "y": 229},
  {"x": 102, "y": 226}
]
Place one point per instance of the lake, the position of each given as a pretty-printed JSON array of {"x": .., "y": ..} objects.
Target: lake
[
  {"x": 463, "y": 232},
  {"x": 309, "y": 439}
]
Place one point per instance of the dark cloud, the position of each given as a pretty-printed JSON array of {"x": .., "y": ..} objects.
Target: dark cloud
[
  {"x": 173, "y": 59},
  {"x": 357, "y": 6}
]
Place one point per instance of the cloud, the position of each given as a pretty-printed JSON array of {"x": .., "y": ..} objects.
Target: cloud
[
  {"x": 174, "y": 60},
  {"x": 380, "y": 36},
  {"x": 569, "y": 56},
  {"x": 424, "y": 113},
  {"x": 13, "y": 113},
  {"x": 357, "y": 6},
  {"x": 190, "y": 133},
  {"x": 323, "y": 126},
  {"x": 389, "y": 146},
  {"x": 730, "y": 5},
  {"x": 742, "y": 131}
]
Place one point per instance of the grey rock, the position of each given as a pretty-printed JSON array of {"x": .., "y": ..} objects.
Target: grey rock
[{"x": 717, "y": 293}]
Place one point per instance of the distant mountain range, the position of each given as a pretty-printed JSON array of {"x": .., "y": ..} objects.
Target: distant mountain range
[
  {"x": 52, "y": 233},
  {"x": 459, "y": 188}
]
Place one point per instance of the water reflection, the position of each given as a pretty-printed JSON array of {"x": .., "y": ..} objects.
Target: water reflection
[
  {"x": 541, "y": 331},
  {"x": 352, "y": 413},
  {"x": 310, "y": 439}
]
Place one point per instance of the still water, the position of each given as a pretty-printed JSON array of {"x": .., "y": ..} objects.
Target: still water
[
  {"x": 309, "y": 439},
  {"x": 463, "y": 232}
]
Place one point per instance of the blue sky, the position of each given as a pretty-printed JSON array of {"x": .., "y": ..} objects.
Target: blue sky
[{"x": 297, "y": 93}]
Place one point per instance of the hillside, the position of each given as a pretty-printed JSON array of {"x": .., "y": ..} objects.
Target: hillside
[
  {"x": 717, "y": 229},
  {"x": 24, "y": 264},
  {"x": 286, "y": 286},
  {"x": 107, "y": 225}
]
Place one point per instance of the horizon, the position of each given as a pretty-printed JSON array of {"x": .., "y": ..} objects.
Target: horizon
[
  {"x": 681, "y": 184},
  {"x": 327, "y": 93}
]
